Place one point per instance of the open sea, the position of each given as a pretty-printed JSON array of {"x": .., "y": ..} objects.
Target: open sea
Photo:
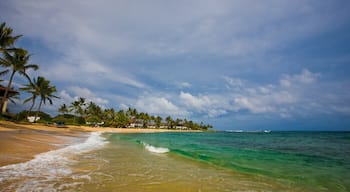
[{"x": 220, "y": 161}]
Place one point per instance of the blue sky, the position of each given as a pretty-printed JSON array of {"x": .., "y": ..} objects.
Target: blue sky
[{"x": 280, "y": 65}]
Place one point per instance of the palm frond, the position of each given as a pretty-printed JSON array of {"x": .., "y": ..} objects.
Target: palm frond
[
  {"x": 12, "y": 99},
  {"x": 32, "y": 66},
  {"x": 32, "y": 98},
  {"x": 2, "y": 73}
]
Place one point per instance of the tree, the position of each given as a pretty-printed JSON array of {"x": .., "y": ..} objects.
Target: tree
[
  {"x": 77, "y": 107},
  {"x": 109, "y": 117},
  {"x": 6, "y": 38},
  {"x": 17, "y": 62},
  {"x": 63, "y": 109},
  {"x": 46, "y": 92},
  {"x": 81, "y": 102},
  {"x": 132, "y": 112},
  {"x": 93, "y": 109},
  {"x": 121, "y": 119},
  {"x": 158, "y": 121},
  {"x": 33, "y": 89},
  {"x": 169, "y": 122},
  {"x": 145, "y": 119}
]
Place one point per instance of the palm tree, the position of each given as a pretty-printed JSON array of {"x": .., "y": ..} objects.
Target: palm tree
[
  {"x": 17, "y": 62},
  {"x": 92, "y": 109},
  {"x": 82, "y": 103},
  {"x": 77, "y": 107},
  {"x": 6, "y": 37},
  {"x": 145, "y": 119},
  {"x": 46, "y": 92},
  {"x": 132, "y": 112},
  {"x": 109, "y": 116},
  {"x": 158, "y": 121},
  {"x": 33, "y": 89},
  {"x": 121, "y": 119},
  {"x": 74, "y": 107},
  {"x": 169, "y": 122},
  {"x": 63, "y": 109}
]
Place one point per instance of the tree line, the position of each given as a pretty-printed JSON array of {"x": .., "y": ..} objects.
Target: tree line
[
  {"x": 90, "y": 112},
  {"x": 15, "y": 61}
]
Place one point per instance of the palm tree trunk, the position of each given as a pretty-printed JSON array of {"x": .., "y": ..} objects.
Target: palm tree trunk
[
  {"x": 37, "y": 112},
  {"x": 4, "y": 99}
]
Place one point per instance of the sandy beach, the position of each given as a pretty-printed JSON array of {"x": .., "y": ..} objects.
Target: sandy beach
[{"x": 20, "y": 142}]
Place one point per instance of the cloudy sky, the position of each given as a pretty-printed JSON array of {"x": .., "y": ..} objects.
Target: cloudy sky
[{"x": 236, "y": 64}]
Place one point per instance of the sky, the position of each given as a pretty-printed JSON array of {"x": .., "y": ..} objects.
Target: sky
[{"x": 236, "y": 64}]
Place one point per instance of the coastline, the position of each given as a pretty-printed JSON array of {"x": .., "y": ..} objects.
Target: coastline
[{"x": 21, "y": 142}]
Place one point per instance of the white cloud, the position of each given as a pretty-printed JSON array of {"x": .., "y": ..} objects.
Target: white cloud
[
  {"x": 88, "y": 95},
  {"x": 305, "y": 77},
  {"x": 233, "y": 82},
  {"x": 160, "y": 106},
  {"x": 80, "y": 67},
  {"x": 197, "y": 102},
  {"x": 294, "y": 95},
  {"x": 212, "y": 105},
  {"x": 253, "y": 104},
  {"x": 286, "y": 99},
  {"x": 65, "y": 97},
  {"x": 183, "y": 85}
]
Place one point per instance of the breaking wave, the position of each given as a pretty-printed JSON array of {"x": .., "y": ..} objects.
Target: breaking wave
[
  {"x": 154, "y": 149},
  {"x": 44, "y": 171}
]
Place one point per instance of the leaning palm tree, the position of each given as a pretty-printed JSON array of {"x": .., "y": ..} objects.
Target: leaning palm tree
[
  {"x": 33, "y": 89},
  {"x": 16, "y": 62},
  {"x": 45, "y": 91},
  {"x": 6, "y": 38}
]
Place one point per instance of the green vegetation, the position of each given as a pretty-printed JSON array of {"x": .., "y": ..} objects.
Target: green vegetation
[
  {"x": 16, "y": 60},
  {"x": 42, "y": 88},
  {"x": 93, "y": 114}
]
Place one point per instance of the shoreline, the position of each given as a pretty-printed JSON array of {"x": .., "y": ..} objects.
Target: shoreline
[{"x": 21, "y": 142}]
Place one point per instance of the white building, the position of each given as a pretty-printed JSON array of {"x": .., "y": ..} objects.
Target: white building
[{"x": 32, "y": 119}]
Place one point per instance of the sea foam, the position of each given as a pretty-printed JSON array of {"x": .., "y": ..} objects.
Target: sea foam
[
  {"x": 44, "y": 171},
  {"x": 154, "y": 149}
]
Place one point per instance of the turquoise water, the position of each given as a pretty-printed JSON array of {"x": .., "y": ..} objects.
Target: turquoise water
[
  {"x": 318, "y": 161},
  {"x": 222, "y": 161}
]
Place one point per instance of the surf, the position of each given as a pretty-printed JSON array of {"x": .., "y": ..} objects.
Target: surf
[
  {"x": 46, "y": 169},
  {"x": 154, "y": 149}
]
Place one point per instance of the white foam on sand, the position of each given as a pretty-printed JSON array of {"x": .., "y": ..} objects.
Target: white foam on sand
[{"x": 44, "y": 171}]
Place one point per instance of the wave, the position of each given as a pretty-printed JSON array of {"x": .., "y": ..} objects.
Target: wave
[
  {"x": 242, "y": 131},
  {"x": 43, "y": 172},
  {"x": 154, "y": 149}
]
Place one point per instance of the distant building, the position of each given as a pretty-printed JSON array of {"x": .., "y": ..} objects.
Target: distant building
[
  {"x": 95, "y": 124},
  {"x": 32, "y": 119},
  {"x": 136, "y": 123},
  {"x": 181, "y": 127}
]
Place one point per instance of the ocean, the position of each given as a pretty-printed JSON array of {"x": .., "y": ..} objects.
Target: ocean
[{"x": 208, "y": 161}]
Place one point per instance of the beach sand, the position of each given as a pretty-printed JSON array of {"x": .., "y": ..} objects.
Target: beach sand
[{"x": 20, "y": 142}]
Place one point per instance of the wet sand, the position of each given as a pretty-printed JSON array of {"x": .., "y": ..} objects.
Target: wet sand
[{"x": 20, "y": 142}]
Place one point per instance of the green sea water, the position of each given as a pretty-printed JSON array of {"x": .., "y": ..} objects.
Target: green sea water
[
  {"x": 314, "y": 161},
  {"x": 222, "y": 161}
]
